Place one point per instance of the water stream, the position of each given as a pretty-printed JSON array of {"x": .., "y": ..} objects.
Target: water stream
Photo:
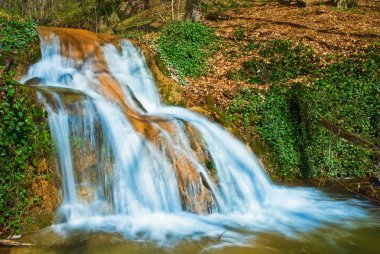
[{"x": 143, "y": 177}]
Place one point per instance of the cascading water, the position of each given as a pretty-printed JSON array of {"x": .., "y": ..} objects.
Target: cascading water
[{"x": 131, "y": 165}]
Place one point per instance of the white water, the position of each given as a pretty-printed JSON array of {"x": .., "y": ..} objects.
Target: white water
[{"x": 131, "y": 186}]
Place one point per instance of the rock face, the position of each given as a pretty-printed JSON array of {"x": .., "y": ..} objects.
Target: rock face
[{"x": 86, "y": 49}]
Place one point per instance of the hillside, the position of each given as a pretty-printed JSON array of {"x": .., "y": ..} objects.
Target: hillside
[{"x": 299, "y": 126}]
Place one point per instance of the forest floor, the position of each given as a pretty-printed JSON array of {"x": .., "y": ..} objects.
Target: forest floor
[{"x": 325, "y": 29}]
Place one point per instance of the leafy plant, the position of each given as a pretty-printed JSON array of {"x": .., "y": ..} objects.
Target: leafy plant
[
  {"x": 269, "y": 113},
  {"x": 329, "y": 127},
  {"x": 344, "y": 117},
  {"x": 24, "y": 138},
  {"x": 186, "y": 47},
  {"x": 280, "y": 61},
  {"x": 15, "y": 34}
]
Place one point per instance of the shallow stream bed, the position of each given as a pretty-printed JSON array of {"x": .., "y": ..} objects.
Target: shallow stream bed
[{"x": 359, "y": 237}]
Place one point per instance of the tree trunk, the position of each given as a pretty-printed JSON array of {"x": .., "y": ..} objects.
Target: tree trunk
[
  {"x": 193, "y": 10},
  {"x": 172, "y": 9},
  {"x": 146, "y": 4},
  {"x": 178, "y": 9},
  {"x": 344, "y": 4}
]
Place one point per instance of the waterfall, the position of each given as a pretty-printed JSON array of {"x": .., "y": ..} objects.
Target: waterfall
[{"x": 131, "y": 165}]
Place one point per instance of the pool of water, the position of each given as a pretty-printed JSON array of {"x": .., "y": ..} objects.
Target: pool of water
[
  {"x": 327, "y": 240},
  {"x": 361, "y": 236}
]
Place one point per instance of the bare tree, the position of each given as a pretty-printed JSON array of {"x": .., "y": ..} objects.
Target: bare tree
[
  {"x": 193, "y": 10},
  {"x": 178, "y": 9},
  {"x": 172, "y": 4}
]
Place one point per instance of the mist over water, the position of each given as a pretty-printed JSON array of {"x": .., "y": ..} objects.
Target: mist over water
[{"x": 131, "y": 165}]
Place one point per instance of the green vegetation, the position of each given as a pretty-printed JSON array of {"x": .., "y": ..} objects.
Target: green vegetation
[
  {"x": 344, "y": 117},
  {"x": 327, "y": 126},
  {"x": 279, "y": 61},
  {"x": 185, "y": 47},
  {"x": 24, "y": 137},
  {"x": 270, "y": 114},
  {"x": 87, "y": 14},
  {"x": 15, "y": 34}
]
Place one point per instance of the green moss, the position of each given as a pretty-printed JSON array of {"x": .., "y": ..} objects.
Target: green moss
[
  {"x": 134, "y": 21},
  {"x": 161, "y": 65}
]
